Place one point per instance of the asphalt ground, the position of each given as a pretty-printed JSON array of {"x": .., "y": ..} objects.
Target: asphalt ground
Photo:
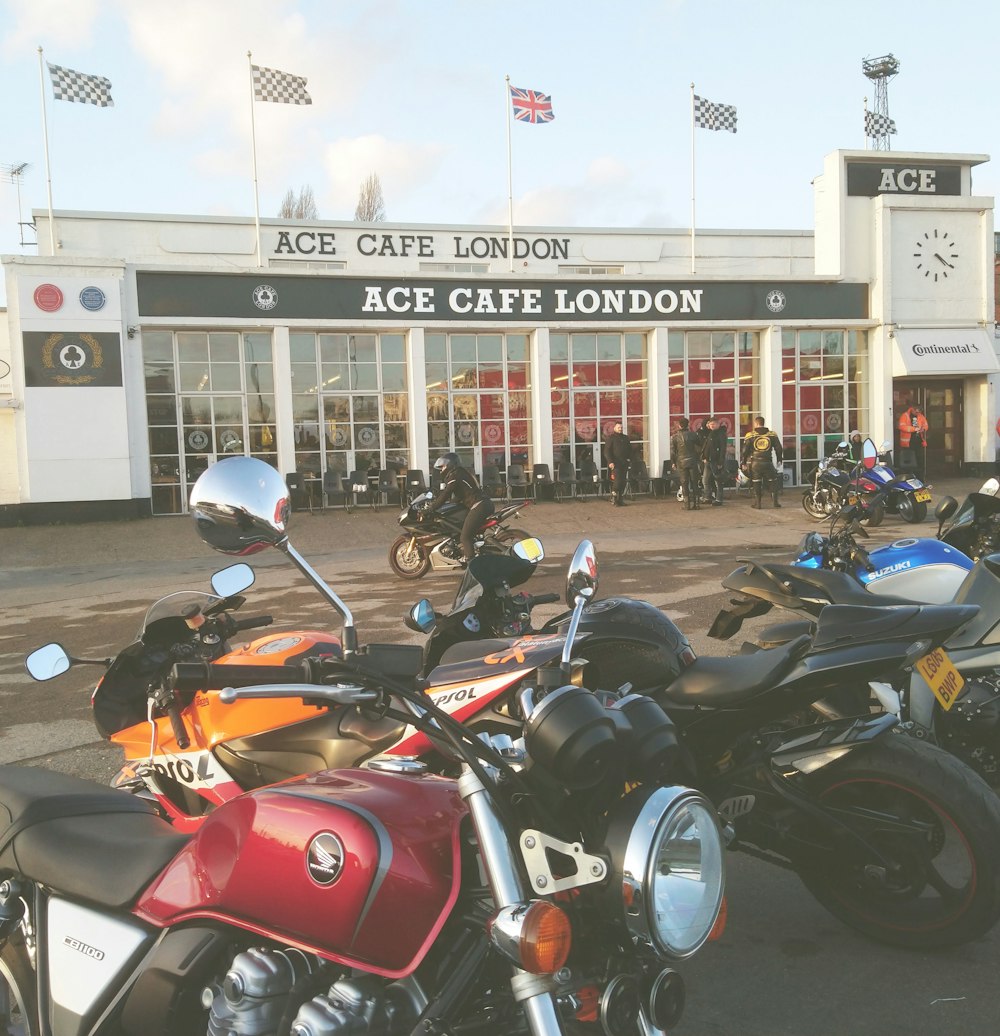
[{"x": 784, "y": 967}]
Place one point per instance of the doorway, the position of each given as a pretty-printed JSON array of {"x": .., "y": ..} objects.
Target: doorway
[{"x": 941, "y": 402}]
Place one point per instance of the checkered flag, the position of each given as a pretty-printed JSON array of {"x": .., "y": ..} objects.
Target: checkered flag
[
  {"x": 714, "y": 116},
  {"x": 271, "y": 85},
  {"x": 877, "y": 125},
  {"x": 69, "y": 85}
]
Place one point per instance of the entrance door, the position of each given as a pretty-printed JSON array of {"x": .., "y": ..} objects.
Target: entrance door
[
  {"x": 941, "y": 402},
  {"x": 214, "y": 426}
]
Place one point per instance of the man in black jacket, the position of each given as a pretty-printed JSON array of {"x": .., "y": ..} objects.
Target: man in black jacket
[
  {"x": 713, "y": 459},
  {"x": 685, "y": 453},
  {"x": 761, "y": 451},
  {"x": 617, "y": 454},
  {"x": 461, "y": 486}
]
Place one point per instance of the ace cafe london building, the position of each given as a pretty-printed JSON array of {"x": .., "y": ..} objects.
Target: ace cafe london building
[{"x": 151, "y": 346}]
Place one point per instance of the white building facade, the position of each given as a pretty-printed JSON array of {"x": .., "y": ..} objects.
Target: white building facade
[{"x": 148, "y": 347}]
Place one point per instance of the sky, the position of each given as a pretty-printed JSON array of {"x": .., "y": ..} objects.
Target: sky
[{"x": 414, "y": 91}]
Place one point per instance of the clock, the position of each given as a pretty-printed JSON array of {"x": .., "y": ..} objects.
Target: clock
[{"x": 936, "y": 254}]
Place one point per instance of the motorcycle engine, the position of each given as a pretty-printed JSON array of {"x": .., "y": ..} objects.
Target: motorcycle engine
[
  {"x": 986, "y": 537},
  {"x": 971, "y": 727},
  {"x": 271, "y": 991}
]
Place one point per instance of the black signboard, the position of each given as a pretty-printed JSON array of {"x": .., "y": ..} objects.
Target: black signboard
[
  {"x": 59, "y": 359},
  {"x": 869, "y": 179},
  {"x": 272, "y": 296}
]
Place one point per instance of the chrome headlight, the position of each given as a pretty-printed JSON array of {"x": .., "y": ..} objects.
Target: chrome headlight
[{"x": 667, "y": 867}]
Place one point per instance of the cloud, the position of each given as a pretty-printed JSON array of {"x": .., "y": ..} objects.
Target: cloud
[{"x": 50, "y": 23}]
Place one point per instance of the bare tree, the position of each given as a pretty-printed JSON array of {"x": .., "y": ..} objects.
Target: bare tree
[
  {"x": 371, "y": 205},
  {"x": 298, "y": 206}
]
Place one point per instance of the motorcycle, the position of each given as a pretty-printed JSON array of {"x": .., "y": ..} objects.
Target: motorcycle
[
  {"x": 526, "y": 895},
  {"x": 789, "y": 791},
  {"x": 905, "y": 495},
  {"x": 431, "y": 539},
  {"x": 836, "y": 484},
  {"x": 825, "y": 799}
]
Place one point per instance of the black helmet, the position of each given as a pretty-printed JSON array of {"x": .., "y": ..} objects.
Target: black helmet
[{"x": 446, "y": 462}]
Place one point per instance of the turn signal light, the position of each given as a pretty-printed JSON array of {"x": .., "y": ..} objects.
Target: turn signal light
[
  {"x": 720, "y": 922},
  {"x": 536, "y": 936}
]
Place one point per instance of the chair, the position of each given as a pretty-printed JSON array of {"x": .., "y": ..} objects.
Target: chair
[
  {"x": 333, "y": 488},
  {"x": 299, "y": 491},
  {"x": 493, "y": 483},
  {"x": 669, "y": 479},
  {"x": 639, "y": 482},
  {"x": 357, "y": 490},
  {"x": 388, "y": 485},
  {"x": 566, "y": 480},
  {"x": 541, "y": 482},
  {"x": 590, "y": 478},
  {"x": 415, "y": 484},
  {"x": 517, "y": 479}
]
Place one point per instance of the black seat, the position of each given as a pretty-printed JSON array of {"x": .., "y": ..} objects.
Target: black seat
[
  {"x": 541, "y": 479},
  {"x": 517, "y": 480},
  {"x": 838, "y": 623},
  {"x": 493, "y": 482},
  {"x": 78, "y": 837},
  {"x": 333, "y": 488},
  {"x": 299, "y": 490},
  {"x": 590, "y": 478},
  {"x": 639, "y": 482},
  {"x": 566, "y": 480},
  {"x": 415, "y": 484},
  {"x": 728, "y": 680},
  {"x": 833, "y": 587}
]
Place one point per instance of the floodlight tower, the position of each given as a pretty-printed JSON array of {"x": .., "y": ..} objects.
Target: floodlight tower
[
  {"x": 12, "y": 174},
  {"x": 880, "y": 71}
]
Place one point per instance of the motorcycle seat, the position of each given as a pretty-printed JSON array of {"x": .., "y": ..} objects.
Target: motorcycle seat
[
  {"x": 838, "y": 623},
  {"x": 836, "y": 587},
  {"x": 93, "y": 843},
  {"x": 726, "y": 681}
]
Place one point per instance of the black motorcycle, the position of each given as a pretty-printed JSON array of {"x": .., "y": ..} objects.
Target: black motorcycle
[
  {"x": 836, "y": 483},
  {"x": 893, "y": 836},
  {"x": 431, "y": 538}
]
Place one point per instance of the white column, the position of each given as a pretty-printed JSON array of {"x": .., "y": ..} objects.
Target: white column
[
  {"x": 541, "y": 397},
  {"x": 416, "y": 398},
  {"x": 658, "y": 388},
  {"x": 770, "y": 379},
  {"x": 879, "y": 424},
  {"x": 283, "y": 420}
]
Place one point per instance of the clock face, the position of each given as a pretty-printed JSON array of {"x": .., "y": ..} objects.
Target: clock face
[{"x": 936, "y": 254}]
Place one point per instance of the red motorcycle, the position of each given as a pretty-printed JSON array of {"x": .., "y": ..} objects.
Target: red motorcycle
[{"x": 525, "y": 895}]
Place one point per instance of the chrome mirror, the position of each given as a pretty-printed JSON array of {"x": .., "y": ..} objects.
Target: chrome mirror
[
  {"x": 48, "y": 661},
  {"x": 581, "y": 579},
  {"x": 421, "y": 617},
  {"x": 233, "y": 580},
  {"x": 240, "y": 506},
  {"x": 529, "y": 550}
]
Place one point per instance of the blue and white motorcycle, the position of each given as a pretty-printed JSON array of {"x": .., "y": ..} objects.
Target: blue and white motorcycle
[{"x": 905, "y": 495}]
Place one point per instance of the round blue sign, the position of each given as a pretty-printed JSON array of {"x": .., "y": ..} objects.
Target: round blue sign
[{"x": 92, "y": 298}]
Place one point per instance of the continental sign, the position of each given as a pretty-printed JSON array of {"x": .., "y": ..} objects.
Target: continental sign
[{"x": 280, "y": 298}]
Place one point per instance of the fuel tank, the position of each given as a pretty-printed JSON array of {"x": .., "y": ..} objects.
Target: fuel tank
[
  {"x": 924, "y": 570},
  {"x": 284, "y": 648},
  {"x": 357, "y": 866}
]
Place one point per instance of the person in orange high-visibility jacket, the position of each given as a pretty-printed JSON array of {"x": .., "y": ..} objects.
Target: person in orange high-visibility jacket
[{"x": 913, "y": 434}]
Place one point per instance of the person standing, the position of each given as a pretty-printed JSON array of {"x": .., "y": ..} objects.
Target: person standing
[
  {"x": 856, "y": 446},
  {"x": 713, "y": 460},
  {"x": 686, "y": 455},
  {"x": 617, "y": 455},
  {"x": 913, "y": 428},
  {"x": 761, "y": 452},
  {"x": 461, "y": 486}
]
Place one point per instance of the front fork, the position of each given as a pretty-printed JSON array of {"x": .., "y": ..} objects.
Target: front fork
[{"x": 532, "y": 992}]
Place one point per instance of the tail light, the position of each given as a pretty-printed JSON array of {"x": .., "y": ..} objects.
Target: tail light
[{"x": 536, "y": 936}]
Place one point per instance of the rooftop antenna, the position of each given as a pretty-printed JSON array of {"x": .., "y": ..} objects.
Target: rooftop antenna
[
  {"x": 13, "y": 174},
  {"x": 880, "y": 71}
]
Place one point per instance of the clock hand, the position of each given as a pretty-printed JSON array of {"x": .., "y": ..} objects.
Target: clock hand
[{"x": 937, "y": 255}]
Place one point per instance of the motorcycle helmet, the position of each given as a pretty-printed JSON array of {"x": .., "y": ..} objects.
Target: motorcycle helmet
[{"x": 446, "y": 462}]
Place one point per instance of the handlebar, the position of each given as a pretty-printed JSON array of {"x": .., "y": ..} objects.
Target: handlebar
[
  {"x": 252, "y": 623},
  {"x": 542, "y": 599},
  {"x": 203, "y": 676},
  {"x": 336, "y": 694},
  {"x": 177, "y": 725}
]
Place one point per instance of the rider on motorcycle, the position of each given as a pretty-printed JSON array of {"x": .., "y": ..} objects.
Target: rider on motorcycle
[{"x": 461, "y": 486}]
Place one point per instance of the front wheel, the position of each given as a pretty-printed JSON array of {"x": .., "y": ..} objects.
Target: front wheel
[
  {"x": 926, "y": 872},
  {"x": 408, "y": 559},
  {"x": 18, "y": 1008},
  {"x": 911, "y": 511},
  {"x": 812, "y": 506}
]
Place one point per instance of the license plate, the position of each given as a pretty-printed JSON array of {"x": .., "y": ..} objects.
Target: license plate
[
  {"x": 944, "y": 679},
  {"x": 921, "y": 496}
]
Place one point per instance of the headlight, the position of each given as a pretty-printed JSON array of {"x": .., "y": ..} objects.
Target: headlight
[{"x": 667, "y": 867}]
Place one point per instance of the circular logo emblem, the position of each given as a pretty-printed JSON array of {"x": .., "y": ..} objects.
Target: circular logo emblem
[
  {"x": 48, "y": 297},
  {"x": 367, "y": 436},
  {"x": 229, "y": 441},
  {"x": 274, "y": 647},
  {"x": 340, "y": 437},
  {"x": 265, "y": 297},
  {"x": 197, "y": 440},
  {"x": 762, "y": 443},
  {"x": 72, "y": 357},
  {"x": 775, "y": 301},
  {"x": 833, "y": 422},
  {"x": 92, "y": 298},
  {"x": 325, "y": 858},
  {"x": 810, "y": 423}
]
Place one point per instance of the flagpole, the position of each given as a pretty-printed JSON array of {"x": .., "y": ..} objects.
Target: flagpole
[
  {"x": 45, "y": 137},
  {"x": 692, "y": 177},
  {"x": 864, "y": 122},
  {"x": 253, "y": 149},
  {"x": 510, "y": 180}
]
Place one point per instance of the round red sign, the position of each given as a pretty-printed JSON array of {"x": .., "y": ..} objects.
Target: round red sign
[{"x": 48, "y": 297}]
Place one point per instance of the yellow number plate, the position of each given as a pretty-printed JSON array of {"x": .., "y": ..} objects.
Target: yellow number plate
[
  {"x": 944, "y": 679},
  {"x": 921, "y": 496}
]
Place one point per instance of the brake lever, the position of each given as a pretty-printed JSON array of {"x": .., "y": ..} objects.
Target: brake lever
[{"x": 335, "y": 694}]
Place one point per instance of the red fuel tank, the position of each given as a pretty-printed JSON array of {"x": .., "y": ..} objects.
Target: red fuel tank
[{"x": 357, "y": 866}]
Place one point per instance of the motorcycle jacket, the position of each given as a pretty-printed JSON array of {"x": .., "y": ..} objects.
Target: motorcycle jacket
[
  {"x": 757, "y": 449},
  {"x": 713, "y": 447},
  {"x": 684, "y": 450},
  {"x": 461, "y": 486},
  {"x": 618, "y": 448}
]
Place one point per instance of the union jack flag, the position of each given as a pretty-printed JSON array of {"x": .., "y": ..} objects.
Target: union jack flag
[{"x": 531, "y": 105}]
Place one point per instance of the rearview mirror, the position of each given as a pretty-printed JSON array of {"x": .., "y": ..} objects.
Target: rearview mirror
[
  {"x": 529, "y": 550},
  {"x": 48, "y": 661},
  {"x": 946, "y": 507},
  {"x": 869, "y": 454},
  {"x": 582, "y": 575},
  {"x": 421, "y": 617},
  {"x": 228, "y": 582}
]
